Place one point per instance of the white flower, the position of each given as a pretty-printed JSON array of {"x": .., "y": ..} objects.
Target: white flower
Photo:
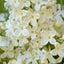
[
  {"x": 49, "y": 56},
  {"x": 32, "y": 17},
  {"x": 22, "y": 40},
  {"x": 4, "y": 41},
  {"x": 46, "y": 14},
  {"x": 38, "y": 3},
  {"x": 32, "y": 32},
  {"x": 58, "y": 16},
  {"x": 32, "y": 58},
  {"x": 59, "y": 50},
  {"x": 16, "y": 52},
  {"x": 58, "y": 23},
  {"x": 48, "y": 37},
  {"x": 34, "y": 45},
  {"x": 7, "y": 52},
  {"x": 20, "y": 59},
  {"x": 25, "y": 32},
  {"x": 2, "y": 17},
  {"x": 44, "y": 61},
  {"x": 14, "y": 42},
  {"x": 20, "y": 29},
  {"x": 17, "y": 15},
  {"x": 12, "y": 61},
  {"x": 24, "y": 3},
  {"x": 14, "y": 3},
  {"x": 59, "y": 60}
]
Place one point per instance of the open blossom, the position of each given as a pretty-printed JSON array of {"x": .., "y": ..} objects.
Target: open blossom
[
  {"x": 59, "y": 50},
  {"x": 22, "y": 40},
  {"x": 4, "y": 41},
  {"x": 22, "y": 30},
  {"x": 38, "y": 4},
  {"x": 12, "y": 62},
  {"x": 7, "y": 52},
  {"x": 32, "y": 17},
  {"x": 47, "y": 37},
  {"x": 16, "y": 3},
  {"x": 24, "y": 3},
  {"x": 18, "y": 15},
  {"x": 49, "y": 55},
  {"x": 32, "y": 32}
]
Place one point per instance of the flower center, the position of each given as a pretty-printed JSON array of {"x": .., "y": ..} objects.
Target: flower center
[
  {"x": 38, "y": 2},
  {"x": 40, "y": 37},
  {"x": 49, "y": 37},
  {"x": 24, "y": 1},
  {"x": 21, "y": 28},
  {"x": 32, "y": 32},
  {"x": 32, "y": 16}
]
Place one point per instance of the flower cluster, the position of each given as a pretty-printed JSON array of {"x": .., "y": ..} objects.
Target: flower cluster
[{"x": 34, "y": 32}]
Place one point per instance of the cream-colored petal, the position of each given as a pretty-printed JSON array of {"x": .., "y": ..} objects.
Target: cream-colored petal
[
  {"x": 10, "y": 54},
  {"x": 3, "y": 55},
  {"x": 59, "y": 60}
]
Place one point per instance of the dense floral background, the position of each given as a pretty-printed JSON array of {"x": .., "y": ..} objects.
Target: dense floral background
[{"x": 31, "y": 31}]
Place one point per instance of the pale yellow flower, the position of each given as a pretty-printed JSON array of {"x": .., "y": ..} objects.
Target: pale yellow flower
[
  {"x": 7, "y": 52},
  {"x": 48, "y": 37},
  {"x": 32, "y": 32},
  {"x": 21, "y": 29},
  {"x": 59, "y": 50},
  {"x": 32, "y": 17},
  {"x": 49, "y": 56},
  {"x": 44, "y": 62},
  {"x": 4, "y": 41},
  {"x": 24, "y": 3},
  {"x": 59, "y": 60},
  {"x": 38, "y": 4},
  {"x": 16, "y": 52},
  {"x": 31, "y": 58},
  {"x": 22, "y": 40},
  {"x": 12, "y": 61}
]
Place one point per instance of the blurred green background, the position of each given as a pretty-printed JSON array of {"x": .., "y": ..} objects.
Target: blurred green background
[{"x": 2, "y": 9}]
